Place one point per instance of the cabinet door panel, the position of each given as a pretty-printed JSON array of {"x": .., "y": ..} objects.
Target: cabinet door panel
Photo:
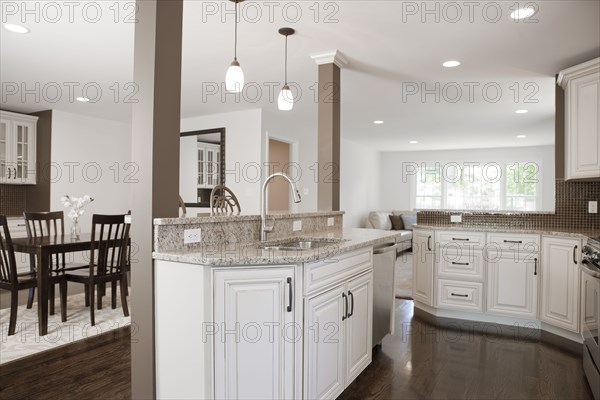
[
  {"x": 324, "y": 338},
  {"x": 423, "y": 258},
  {"x": 512, "y": 287},
  {"x": 253, "y": 356},
  {"x": 359, "y": 325},
  {"x": 560, "y": 283}
]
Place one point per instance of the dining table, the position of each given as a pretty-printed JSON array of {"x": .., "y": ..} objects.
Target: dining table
[{"x": 43, "y": 248}]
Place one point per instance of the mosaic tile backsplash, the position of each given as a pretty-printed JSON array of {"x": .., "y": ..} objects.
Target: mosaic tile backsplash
[
  {"x": 570, "y": 212},
  {"x": 12, "y": 200}
]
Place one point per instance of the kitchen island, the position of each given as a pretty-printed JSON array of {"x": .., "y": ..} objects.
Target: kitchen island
[{"x": 241, "y": 318}]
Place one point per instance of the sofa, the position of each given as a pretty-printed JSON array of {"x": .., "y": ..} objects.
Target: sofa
[{"x": 403, "y": 221}]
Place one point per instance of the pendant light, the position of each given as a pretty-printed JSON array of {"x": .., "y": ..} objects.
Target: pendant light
[
  {"x": 234, "y": 80},
  {"x": 285, "y": 101}
]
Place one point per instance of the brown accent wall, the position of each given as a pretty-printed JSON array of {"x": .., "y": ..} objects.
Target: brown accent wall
[
  {"x": 38, "y": 196},
  {"x": 279, "y": 190}
]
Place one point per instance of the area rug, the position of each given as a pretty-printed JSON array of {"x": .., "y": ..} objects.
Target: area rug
[
  {"x": 404, "y": 275},
  {"x": 27, "y": 341}
]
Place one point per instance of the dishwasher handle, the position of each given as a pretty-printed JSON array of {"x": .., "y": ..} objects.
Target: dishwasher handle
[{"x": 385, "y": 248}]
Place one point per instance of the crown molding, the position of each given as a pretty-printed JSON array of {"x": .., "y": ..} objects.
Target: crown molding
[
  {"x": 589, "y": 67},
  {"x": 330, "y": 57}
]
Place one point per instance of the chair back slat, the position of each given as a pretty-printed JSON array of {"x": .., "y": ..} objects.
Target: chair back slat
[
  {"x": 47, "y": 223},
  {"x": 112, "y": 235},
  {"x": 8, "y": 264}
]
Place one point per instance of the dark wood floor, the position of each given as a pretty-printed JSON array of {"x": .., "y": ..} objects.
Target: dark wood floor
[
  {"x": 425, "y": 362},
  {"x": 419, "y": 362}
]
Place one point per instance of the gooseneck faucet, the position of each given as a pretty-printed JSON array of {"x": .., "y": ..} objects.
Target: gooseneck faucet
[{"x": 263, "y": 211}]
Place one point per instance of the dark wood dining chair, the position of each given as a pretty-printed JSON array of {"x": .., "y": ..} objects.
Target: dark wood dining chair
[
  {"x": 50, "y": 223},
  {"x": 109, "y": 260},
  {"x": 10, "y": 278}
]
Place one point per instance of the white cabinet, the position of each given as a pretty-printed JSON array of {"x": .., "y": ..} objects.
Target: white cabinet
[
  {"x": 582, "y": 120},
  {"x": 17, "y": 148},
  {"x": 513, "y": 267},
  {"x": 254, "y": 356},
  {"x": 209, "y": 165},
  {"x": 560, "y": 282},
  {"x": 338, "y": 327},
  {"x": 423, "y": 259}
]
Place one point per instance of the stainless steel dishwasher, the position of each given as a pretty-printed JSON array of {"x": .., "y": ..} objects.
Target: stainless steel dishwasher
[{"x": 384, "y": 263}]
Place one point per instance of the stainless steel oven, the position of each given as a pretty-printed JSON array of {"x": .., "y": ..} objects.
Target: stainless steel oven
[{"x": 590, "y": 313}]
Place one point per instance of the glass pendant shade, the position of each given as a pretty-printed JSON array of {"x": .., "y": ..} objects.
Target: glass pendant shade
[
  {"x": 285, "y": 101},
  {"x": 234, "y": 80}
]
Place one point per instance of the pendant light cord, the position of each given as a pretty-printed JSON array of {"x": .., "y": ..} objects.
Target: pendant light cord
[
  {"x": 235, "y": 39},
  {"x": 286, "y": 36}
]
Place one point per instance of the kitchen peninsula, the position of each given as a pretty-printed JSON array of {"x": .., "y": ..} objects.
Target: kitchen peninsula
[{"x": 290, "y": 317}]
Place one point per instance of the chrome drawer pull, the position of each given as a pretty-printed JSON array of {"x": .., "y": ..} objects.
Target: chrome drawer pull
[
  {"x": 459, "y": 295},
  {"x": 513, "y": 241},
  {"x": 465, "y": 240},
  {"x": 457, "y": 263}
]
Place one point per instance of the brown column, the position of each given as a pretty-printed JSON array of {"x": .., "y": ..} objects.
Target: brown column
[
  {"x": 155, "y": 150},
  {"x": 328, "y": 186}
]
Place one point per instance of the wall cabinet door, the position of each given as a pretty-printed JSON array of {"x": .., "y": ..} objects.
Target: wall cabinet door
[
  {"x": 423, "y": 258},
  {"x": 560, "y": 282},
  {"x": 17, "y": 148},
  {"x": 253, "y": 356},
  {"x": 513, "y": 286},
  {"x": 324, "y": 333},
  {"x": 582, "y": 120}
]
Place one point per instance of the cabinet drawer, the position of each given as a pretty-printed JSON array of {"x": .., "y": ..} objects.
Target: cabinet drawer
[
  {"x": 321, "y": 274},
  {"x": 522, "y": 243},
  {"x": 461, "y": 263},
  {"x": 449, "y": 239},
  {"x": 17, "y": 228},
  {"x": 457, "y": 295}
]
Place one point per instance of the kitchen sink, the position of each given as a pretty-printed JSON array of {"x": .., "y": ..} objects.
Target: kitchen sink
[{"x": 300, "y": 243}]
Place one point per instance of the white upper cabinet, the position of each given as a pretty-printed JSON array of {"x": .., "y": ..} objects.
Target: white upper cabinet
[
  {"x": 17, "y": 148},
  {"x": 582, "y": 119}
]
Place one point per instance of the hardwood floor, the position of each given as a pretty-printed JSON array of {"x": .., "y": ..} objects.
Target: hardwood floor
[
  {"x": 425, "y": 362},
  {"x": 95, "y": 368},
  {"x": 419, "y": 362}
]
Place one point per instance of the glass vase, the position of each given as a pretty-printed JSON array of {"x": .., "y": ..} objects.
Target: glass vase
[{"x": 75, "y": 229}]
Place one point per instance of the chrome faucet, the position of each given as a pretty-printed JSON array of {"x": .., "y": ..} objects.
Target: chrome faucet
[{"x": 263, "y": 211}]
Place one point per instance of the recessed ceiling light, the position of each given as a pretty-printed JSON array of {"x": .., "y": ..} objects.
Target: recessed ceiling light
[
  {"x": 413, "y": 142},
  {"x": 522, "y": 13},
  {"x": 378, "y": 122},
  {"x": 522, "y": 111},
  {"x": 450, "y": 64},
  {"x": 16, "y": 28},
  {"x": 521, "y": 136},
  {"x": 83, "y": 99}
]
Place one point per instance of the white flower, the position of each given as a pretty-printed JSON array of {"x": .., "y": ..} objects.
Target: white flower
[{"x": 76, "y": 204}]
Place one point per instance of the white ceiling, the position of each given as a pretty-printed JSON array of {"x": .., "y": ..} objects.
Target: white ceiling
[{"x": 390, "y": 47}]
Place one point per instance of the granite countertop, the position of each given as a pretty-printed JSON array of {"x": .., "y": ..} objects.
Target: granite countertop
[
  {"x": 578, "y": 233},
  {"x": 252, "y": 254},
  {"x": 242, "y": 217}
]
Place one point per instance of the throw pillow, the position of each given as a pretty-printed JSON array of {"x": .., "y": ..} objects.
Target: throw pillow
[
  {"x": 408, "y": 221},
  {"x": 397, "y": 223},
  {"x": 380, "y": 220}
]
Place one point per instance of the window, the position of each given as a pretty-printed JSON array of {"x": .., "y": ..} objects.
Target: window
[{"x": 477, "y": 186}]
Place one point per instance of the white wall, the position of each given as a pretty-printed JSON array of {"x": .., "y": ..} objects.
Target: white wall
[
  {"x": 395, "y": 193},
  {"x": 244, "y": 156},
  {"x": 91, "y": 156},
  {"x": 360, "y": 190},
  {"x": 304, "y": 140}
]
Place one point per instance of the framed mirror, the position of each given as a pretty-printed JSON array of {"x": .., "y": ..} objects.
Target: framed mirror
[{"x": 201, "y": 165}]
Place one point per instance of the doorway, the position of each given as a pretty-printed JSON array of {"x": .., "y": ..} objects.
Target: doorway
[{"x": 279, "y": 191}]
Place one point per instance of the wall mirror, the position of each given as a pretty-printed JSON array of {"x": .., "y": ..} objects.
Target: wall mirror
[{"x": 201, "y": 165}]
